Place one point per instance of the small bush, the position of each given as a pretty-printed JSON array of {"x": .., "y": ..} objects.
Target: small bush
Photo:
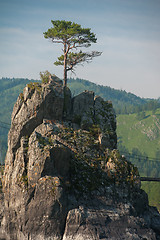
[{"x": 44, "y": 76}]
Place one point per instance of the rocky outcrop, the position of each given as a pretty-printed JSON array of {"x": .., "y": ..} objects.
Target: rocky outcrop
[
  {"x": 64, "y": 178},
  {"x": 106, "y": 221},
  {"x": 89, "y": 110}
]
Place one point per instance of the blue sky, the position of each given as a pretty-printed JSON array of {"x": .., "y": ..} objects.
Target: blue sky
[{"x": 127, "y": 31}]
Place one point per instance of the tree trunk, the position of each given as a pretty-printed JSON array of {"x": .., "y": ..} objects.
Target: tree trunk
[{"x": 65, "y": 67}]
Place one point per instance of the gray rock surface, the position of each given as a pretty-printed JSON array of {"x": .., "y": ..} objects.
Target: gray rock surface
[{"x": 64, "y": 178}]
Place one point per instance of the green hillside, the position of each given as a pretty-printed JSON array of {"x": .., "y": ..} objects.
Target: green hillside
[
  {"x": 141, "y": 133},
  {"x": 153, "y": 191},
  {"x": 139, "y": 139}
]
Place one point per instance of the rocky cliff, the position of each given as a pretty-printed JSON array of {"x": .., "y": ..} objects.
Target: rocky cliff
[{"x": 64, "y": 178}]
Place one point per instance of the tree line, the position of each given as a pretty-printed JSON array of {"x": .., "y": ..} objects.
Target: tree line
[{"x": 150, "y": 105}]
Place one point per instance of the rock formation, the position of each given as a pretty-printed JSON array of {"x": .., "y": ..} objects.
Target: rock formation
[{"x": 64, "y": 178}]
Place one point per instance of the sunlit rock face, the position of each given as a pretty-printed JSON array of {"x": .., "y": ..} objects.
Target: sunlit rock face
[{"x": 64, "y": 177}]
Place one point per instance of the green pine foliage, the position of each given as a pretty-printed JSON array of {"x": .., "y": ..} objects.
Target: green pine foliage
[{"x": 44, "y": 76}]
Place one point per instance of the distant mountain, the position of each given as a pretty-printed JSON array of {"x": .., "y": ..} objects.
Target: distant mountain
[{"x": 122, "y": 101}]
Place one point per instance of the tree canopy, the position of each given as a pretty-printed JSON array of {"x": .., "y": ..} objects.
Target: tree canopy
[{"x": 72, "y": 36}]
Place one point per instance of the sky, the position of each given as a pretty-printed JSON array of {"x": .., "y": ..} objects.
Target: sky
[{"x": 127, "y": 31}]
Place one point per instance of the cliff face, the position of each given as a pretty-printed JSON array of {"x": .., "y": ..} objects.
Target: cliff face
[{"x": 64, "y": 178}]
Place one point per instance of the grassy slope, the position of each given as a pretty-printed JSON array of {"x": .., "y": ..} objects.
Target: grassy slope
[
  {"x": 153, "y": 191},
  {"x": 142, "y": 134}
]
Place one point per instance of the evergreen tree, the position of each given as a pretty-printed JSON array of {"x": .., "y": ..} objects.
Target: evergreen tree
[{"x": 72, "y": 36}]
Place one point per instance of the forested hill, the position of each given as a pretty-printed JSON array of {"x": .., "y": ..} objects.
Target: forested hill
[
  {"x": 7, "y": 83},
  {"x": 9, "y": 91},
  {"x": 118, "y": 97},
  {"x": 123, "y": 102}
]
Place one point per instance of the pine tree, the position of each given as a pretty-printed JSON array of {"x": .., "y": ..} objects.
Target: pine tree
[{"x": 72, "y": 36}]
